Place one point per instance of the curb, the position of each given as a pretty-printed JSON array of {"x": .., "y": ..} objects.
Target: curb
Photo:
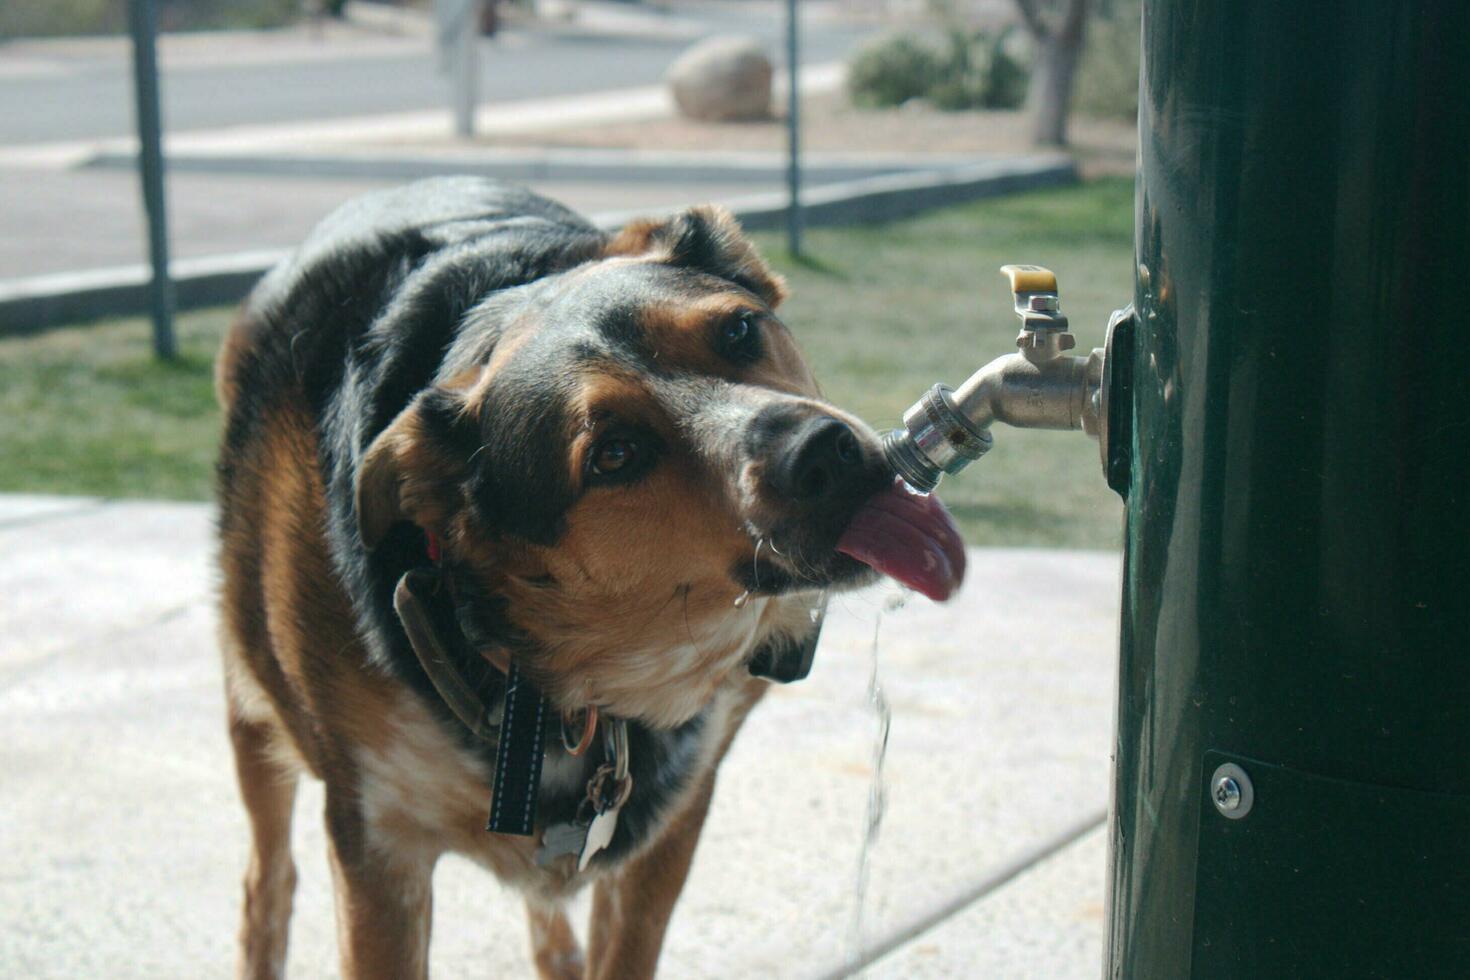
[
  {"x": 614, "y": 166},
  {"x": 892, "y": 196},
  {"x": 32, "y": 305}
]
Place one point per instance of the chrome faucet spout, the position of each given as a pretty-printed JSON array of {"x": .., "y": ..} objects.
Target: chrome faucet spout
[{"x": 1039, "y": 387}]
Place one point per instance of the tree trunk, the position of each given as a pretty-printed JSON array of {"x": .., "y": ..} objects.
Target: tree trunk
[{"x": 1058, "y": 52}]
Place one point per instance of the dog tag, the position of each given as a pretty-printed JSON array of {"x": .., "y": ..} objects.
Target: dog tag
[
  {"x": 558, "y": 841},
  {"x": 599, "y": 835}
]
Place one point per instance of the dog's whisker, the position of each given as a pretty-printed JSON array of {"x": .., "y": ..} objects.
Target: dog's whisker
[
  {"x": 689, "y": 629},
  {"x": 665, "y": 604}
]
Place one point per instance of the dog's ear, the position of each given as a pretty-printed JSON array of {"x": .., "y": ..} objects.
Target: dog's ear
[
  {"x": 414, "y": 470},
  {"x": 707, "y": 238}
]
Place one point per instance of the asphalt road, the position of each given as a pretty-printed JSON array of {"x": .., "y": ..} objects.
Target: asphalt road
[
  {"x": 86, "y": 96},
  {"x": 67, "y": 221}
]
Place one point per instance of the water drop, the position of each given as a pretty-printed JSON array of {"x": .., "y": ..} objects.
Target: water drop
[{"x": 742, "y": 599}]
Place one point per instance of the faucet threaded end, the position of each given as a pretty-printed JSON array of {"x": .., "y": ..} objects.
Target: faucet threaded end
[{"x": 904, "y": 456}]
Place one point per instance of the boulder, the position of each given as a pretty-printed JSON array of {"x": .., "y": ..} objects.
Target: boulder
[{"x": 722, "y": 78}]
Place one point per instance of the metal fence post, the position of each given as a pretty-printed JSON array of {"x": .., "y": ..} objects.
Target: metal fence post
[
  {"x": 142, "y": 23},
  {"x": 458, "y": 41},
  {"x": 793, "y": 134}
]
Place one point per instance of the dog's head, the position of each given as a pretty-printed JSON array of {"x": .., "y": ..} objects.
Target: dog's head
[{"x": 633, "y": 461}]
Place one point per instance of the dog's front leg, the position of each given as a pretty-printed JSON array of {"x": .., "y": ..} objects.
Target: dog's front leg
[
  {"x": 384, "y": 898},
  {"x": 554, "y": 947},
  {"x": 630, "y": 911},
  {"x": 269, "y": 792}
]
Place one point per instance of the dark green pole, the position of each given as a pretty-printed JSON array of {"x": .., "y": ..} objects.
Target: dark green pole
[
  {"x": 793, "y": 134},
  {"x": 143, "y": 26},
  {"x": 1297, "y": 577}
]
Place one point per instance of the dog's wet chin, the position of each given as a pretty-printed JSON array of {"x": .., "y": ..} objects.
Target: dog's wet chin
[{"x": 774, "y": 577}]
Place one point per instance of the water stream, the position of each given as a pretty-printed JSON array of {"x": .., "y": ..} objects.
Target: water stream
[{"x": 877, "y": 789}]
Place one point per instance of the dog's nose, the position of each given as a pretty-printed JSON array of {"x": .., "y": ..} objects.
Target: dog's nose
[{"x": 818, "y": 459}]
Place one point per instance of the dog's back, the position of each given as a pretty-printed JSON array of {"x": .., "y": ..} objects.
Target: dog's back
[{"x": 328, "y": 349}]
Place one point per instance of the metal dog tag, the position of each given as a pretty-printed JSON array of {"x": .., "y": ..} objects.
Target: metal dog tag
[
  {"x": 607, "y": 791},
  {"x": 599, "y": 835},
  {"x": 560, "y": 840}
]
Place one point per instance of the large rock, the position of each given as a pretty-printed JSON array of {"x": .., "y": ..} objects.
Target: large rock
[{"x": 723, "y": 78}]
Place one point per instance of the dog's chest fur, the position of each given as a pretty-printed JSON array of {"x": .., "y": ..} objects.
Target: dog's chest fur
[{"x": 423, "y": 791}]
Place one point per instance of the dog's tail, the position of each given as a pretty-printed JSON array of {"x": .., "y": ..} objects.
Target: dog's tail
[{"x": 237, "y": 341}]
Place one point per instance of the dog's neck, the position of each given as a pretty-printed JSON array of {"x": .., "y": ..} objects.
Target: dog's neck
[
  {"x": 471, "y": 691},
  {"x": 664, "y": 760}
]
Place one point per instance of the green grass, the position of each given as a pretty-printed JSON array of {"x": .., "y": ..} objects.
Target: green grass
[
  {"x": 884, "y": 311},
  {"x": 87, "y": 410}
]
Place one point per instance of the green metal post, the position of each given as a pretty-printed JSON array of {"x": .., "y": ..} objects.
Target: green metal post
[
  {"x": 794, "y": 217},
  {"x": 143, "y": 25},
  {"x": 1297, "y": 576}
]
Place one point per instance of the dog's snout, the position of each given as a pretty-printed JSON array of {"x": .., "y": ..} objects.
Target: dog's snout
[{"x": 816, "y": 460}]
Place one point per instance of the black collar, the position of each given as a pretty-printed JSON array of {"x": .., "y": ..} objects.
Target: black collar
[{"x": 517, "y": 724}]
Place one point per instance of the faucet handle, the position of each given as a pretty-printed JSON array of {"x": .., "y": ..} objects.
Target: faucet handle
[
  {"x": 1034, "y": 292},
  {"x": 1030, "y": 279},
  {"x": 1044, "y": 333}
]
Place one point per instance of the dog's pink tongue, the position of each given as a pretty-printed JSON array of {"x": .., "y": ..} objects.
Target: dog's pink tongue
[{"x": 908, "y": 536}]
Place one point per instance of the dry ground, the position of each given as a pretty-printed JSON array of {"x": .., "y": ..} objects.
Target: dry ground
[{"x": 830, "y": 124}]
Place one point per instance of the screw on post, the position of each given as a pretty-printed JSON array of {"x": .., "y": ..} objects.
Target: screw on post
[
  {"x": 1227, "y": 794},
  {"x": 1231, "y": 791}
]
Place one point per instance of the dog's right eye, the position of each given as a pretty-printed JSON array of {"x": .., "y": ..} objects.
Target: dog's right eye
[
  {"x": 613, "y": 455},
  {"x": 739, "y": 339}
]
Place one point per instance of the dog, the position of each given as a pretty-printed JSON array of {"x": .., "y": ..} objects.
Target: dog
[{"x": 518, "y": 520}]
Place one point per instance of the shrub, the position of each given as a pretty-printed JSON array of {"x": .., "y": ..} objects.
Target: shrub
[
  {"x": 964, "y": 75},
  {"x": 972, "y": 70},
  {"x": 1107, "y": 78},
  {"x": 1010, "y": 71},
  {"x": 890, "y": 70}
]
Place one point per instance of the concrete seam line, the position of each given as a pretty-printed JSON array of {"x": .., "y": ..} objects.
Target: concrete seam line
[{"x": 1022, "y": 863}]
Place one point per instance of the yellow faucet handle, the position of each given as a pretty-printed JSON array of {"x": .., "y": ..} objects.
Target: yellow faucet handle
[{"x": 1030, "y": 278}]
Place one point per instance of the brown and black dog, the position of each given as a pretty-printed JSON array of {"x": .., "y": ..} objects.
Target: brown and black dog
[{"x": 468, "y": 433}]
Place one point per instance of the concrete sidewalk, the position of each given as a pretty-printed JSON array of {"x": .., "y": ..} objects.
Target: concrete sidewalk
[{"x": 125, "y": 841}]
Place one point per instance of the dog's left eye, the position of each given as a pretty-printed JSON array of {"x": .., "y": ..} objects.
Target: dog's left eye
[
  {"x": 614, "y": 455},
  {"x": 739, "y": 338}
]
